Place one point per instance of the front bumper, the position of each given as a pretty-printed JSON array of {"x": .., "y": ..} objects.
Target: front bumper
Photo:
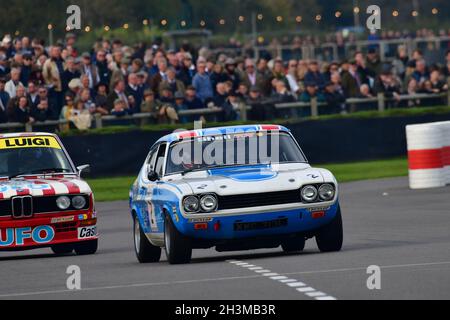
[
  {"x": 45, "y": 230},
  {"x": 273, "y": 223}
]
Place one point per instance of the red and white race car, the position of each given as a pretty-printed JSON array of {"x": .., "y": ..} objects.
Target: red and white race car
[{"x": 44, "y": 202}]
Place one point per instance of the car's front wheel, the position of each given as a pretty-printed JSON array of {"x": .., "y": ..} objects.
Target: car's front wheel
[
  {"x": 145, "y": 251},
  {"x": 86, "y": 247},
  {"x": 294, "y": 245},
  {"x": 62, "y": 249},
  {"x": 330, "y": 238},
  {"x": 178, "y": 247}
]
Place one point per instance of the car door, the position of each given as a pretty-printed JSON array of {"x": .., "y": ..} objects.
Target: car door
[
  {"x": 157, "y": 201},
  {"x": 146, "y": 194}
]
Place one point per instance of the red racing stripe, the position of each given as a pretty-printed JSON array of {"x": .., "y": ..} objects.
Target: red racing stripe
[
  {"x": 47, "y": 192},
  {"x": 446, "y": 156},
  {"x": 425, "y": 159},
  {"x": 73, "y": 188}
]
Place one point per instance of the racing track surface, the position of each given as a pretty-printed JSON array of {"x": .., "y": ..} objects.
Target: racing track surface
[{"x": 406, "y": 233}]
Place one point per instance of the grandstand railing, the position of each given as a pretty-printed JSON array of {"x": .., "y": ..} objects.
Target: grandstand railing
[{"x": 142, "y": 118}]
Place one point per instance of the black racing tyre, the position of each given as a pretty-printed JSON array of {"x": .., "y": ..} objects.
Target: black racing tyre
[
  {"x": 86, "y": 247},
  {"x": 145, "y": 251},
  {"x": 330, "y": 238},
  {"x": 294, "y": 245},
  {"x": 62, "y": 249},
  {"x": 178, "y": 247}
]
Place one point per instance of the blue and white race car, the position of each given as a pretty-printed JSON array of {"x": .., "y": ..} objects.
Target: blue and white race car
[{"x": 233, "y": 188}]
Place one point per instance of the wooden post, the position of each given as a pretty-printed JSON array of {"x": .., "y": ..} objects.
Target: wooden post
[
  {"x": 243, "y": 108},
  {"x": 381, "y": 102},
  {"x": 28, "y": 127},
  {"x": 98, "y": 121},
  {"x": 314, "y": 107}
]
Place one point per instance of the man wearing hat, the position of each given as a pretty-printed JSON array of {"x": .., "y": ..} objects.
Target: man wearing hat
[
  {"x": 349, "y": 82},
  {"x": 179, "y": 105},
  {"x": 233, "y": 75},
  {"x": 90, "y": 70}
]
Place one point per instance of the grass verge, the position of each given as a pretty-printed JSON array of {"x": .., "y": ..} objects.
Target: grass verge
[{"x": 114, "y": 189}]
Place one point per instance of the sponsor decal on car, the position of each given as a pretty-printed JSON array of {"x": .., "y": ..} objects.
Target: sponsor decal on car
[
  {"x": 29, "y": 142},
  {"x": 17, "y": 236},
  {"x": 63, "y": 219},
  {"x": 87, "y": 232}
]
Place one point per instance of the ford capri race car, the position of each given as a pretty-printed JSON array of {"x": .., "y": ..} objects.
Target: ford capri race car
[
  {"x": 43, "y": 200},
  {"x": 235, "y": 188}
]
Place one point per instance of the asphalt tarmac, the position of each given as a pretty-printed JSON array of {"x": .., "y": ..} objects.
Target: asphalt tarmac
[{"x": 403, "y": 232}]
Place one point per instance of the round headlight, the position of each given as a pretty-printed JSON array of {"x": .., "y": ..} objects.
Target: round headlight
[
  {"x": 78, "y": 202},
  {"x": 208, "y": 203},
  {"x": 309, "y": 193},
  {"x": 63, "y": 202},
  {"x": 326, "y": 192},
  {"x": 191, "y": 204}
]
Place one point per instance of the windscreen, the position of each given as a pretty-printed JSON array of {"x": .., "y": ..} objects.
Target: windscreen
[{"x": 250, "y": 148}]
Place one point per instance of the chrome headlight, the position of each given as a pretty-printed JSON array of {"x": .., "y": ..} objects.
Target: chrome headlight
[
  {"x": 78, "y": 202},
  {"x": 309, "y": 193},
  {"x": 327, "y": 192},
  {"x": 63, "y": 202},
  {"x": 191, "y": 204},
  {"x": 208, "y": 203}
]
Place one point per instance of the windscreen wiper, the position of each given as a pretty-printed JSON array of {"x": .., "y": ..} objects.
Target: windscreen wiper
[{"x": 48, "y": 170}]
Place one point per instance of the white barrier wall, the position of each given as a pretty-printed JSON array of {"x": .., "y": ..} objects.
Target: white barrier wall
[{"x": 429, "y": 155}]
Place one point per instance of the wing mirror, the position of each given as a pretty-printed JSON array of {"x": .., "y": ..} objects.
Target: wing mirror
[
  {"x": 153, "y": 176},
  {"x": 84, "y": 169}
]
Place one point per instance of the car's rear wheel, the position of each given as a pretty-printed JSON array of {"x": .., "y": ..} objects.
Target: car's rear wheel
[
  {"x": 330, "y": 238},
  {"x": 145, "y": 251},
  {"x": 294, "y": 245},
  {"x": 178, "y": 247},
  {"x": 86, "y": 247},
  {"x": 62, "y": 249}
]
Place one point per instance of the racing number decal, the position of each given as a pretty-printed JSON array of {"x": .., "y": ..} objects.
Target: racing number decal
[
  {"x": 29, "y": 142},
  {"x": 152, "y": 216}
]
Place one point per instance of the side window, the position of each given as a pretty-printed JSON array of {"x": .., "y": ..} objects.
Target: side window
[
  {"x": 160, "y": 159},
  {"x": 151, "y": 160}
]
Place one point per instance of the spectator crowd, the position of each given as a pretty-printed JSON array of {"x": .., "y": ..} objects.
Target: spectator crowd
[{"x": 39, "y": 83}]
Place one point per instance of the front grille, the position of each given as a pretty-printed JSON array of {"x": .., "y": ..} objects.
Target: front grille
[
  {"x": 30, "y": 205},
  {"x": 259, "y": 199},
  {"x": 66, "y": 227},
  {"x": 22, "y": 207},
  {"x": 5, "y": 208}
]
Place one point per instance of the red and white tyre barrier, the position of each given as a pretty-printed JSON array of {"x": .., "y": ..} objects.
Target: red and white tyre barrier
[{"x": 429, "y": 155}]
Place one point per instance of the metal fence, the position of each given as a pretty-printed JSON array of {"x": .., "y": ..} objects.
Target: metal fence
[
  {"x": 314, "y": 106},
  {"x": 433, "y": 47}
]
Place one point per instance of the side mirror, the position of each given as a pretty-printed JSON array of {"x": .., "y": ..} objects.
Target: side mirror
[
  {"x": 84, "y": 169},
  {"x": 153, "y": 176}
]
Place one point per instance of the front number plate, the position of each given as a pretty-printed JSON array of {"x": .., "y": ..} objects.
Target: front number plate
[{"x": 261, "y": 225}]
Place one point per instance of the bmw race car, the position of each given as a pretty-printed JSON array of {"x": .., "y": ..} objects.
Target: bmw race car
[
  {"x": 234, "y": 188},
  {"x": 43, "y": 200}
]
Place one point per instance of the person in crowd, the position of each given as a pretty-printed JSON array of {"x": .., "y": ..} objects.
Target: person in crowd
[
  {"x": 134, "y": 89},
  {"x": 172, "y": 83},
  {"x": 26, "y": 68},
  {"x": 218, "y": 76},
  {"x": 101, "y": 98},
  {"x": 187, "y": 70},
  {"x": 120, "y": 108},
  {"x": 117, "y": 93},
  {"x": 179, "y": 105},
  {"x": 71, "y": 72},
  {"x": 42, "y": 112},
  {"x": 160, "y": 76},
  {"x": 202, "y": 84},
  {"x": 52, "y": 73},
  {"x": 253, "y": 78},
  {"x": 335, "y": 100},
  {"x": 232, "y": 74},
  {"x": 191, "y": 100},
  {"x": 21, "y": 111},
  {"x": 11, "y": 85},
  {"x": 33, "y": 94},
  {"x": 314, "y": 76},
  {"x": 4, "y": 101}
]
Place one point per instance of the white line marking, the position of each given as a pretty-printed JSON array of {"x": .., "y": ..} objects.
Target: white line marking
[
  {"x": 306, "y": 289},
  {"x": 315, "y": 294},
  {"x": 288, "y": 280},
  {"x": 296, "y": 284},
  {"x": 279, "y": 278},
  {"x": 327, "y": 298},
  {"x": 292, "y": 283}
]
